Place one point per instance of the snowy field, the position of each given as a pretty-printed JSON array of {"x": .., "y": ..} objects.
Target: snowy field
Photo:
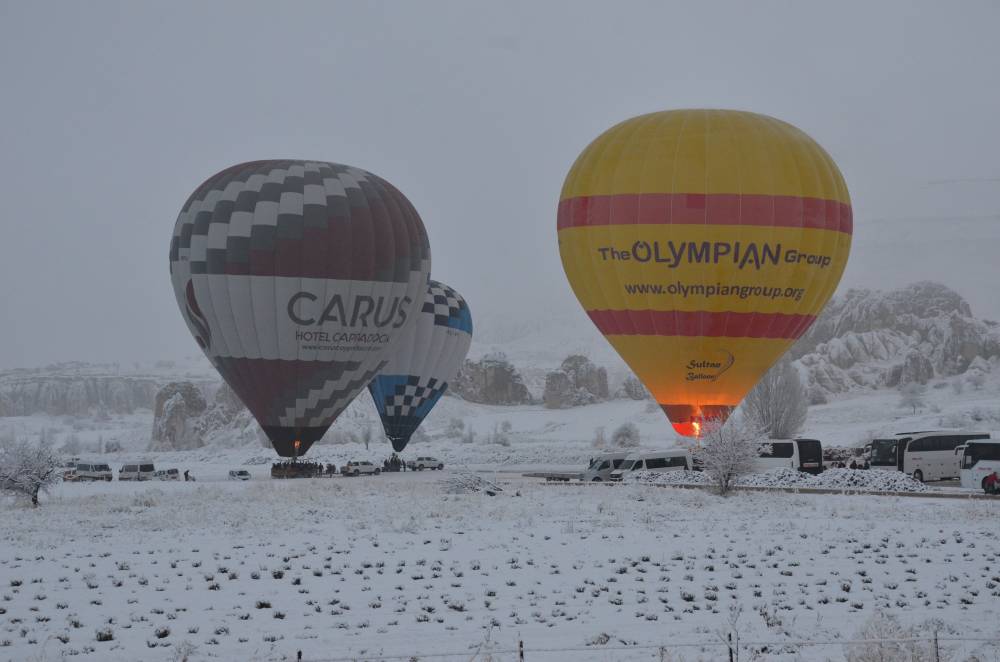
[{"x": 344, "y": 567}]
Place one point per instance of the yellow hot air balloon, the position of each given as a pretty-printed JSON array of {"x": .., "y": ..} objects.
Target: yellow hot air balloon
[{"x": 703, "y": 243}]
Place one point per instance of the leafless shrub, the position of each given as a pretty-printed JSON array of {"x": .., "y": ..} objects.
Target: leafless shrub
[{"x": 778, "y": 401}]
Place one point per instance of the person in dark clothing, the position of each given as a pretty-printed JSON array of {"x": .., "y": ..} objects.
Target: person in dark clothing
[
  {"x": 186, "y": 477},
  {"x": 991, "y": 484},
  {"x": 854, "y": 465}
]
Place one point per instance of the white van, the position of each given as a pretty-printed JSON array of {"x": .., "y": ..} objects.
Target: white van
[
  {"x": 141, "y": 471},
  {"x": 167, "y": 474},
  {"x": 600, "y": 467},
  {"x": 798, "y": 454},
  {"x": 677, "y": 459},
  {"x": 86, "y": 471}
]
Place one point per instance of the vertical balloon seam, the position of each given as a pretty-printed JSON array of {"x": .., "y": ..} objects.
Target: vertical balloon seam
[
  {"x": 256, "y": 171},
  {"x": 252, "y": 381},
  {"x": 684, "y": 391},
  {"x": 650, "y": 125},
  {"x": 309, "y": 355},
  {"x": 841, "y": 241},
  {"x": 607, "y": 292},
  {"x": 404, "y": 337},
  {"x": 380, "y": 194},
  {"x": 590, "y": 290},
  {"x": 775, "y": 145},
  {"x": 735, "y": 146},
  {"x": 255, "y": 385},
  {"x": 619, "y": 147}
]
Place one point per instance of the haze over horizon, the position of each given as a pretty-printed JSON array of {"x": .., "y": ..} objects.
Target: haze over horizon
[{"x": 114, "y": 113}]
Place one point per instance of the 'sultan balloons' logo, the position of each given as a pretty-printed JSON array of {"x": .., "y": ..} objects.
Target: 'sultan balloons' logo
[{"x": 705, "y": 370}]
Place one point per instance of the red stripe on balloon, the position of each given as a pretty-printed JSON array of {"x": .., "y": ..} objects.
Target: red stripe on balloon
[
  {"x": 700, "y": 323},
  {"x": 701, "y": 209}
]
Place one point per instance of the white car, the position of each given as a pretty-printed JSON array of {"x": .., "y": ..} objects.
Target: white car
[
  {"x": 600, "y": 467},
  {"x": 86, "y": 471},
  {"x": 677, "y": 459},
  {"x": 142, "y": 471},
  {"x": 239, "y": 474},
  {"x": 167, "y": 474},
  {"x": 426, "y": 462},
  {"x": 359, "y": 468}
]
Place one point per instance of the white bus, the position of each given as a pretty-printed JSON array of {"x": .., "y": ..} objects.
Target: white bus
[
  {"x": 923, "y": 455},
  {"x": 800, "y": 454},
  {"x": 979, "y": 459}
]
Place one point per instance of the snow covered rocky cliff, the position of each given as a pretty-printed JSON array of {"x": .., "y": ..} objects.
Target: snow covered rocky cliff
[
  {"x": 73, "y": 389},
  {"x": 867, "y": 339}
]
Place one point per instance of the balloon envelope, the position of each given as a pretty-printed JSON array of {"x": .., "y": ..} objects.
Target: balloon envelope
[
  {"x": 296, "y": 278},
  {"x": 427, "y": 358},
  {"x": 702, "y": 244}
]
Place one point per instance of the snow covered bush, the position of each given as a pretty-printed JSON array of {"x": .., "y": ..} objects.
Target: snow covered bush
[
  {"x": 976, "y": 379},
  {"x": 625, "y": 436},
  {"x": 27, "y": 469},
  {"x": 469, "y": 483},
  {"x": 729, "y": 450},
  {"x": 633, "y": 389},
  {"x": 817, "y": 396},
  {"x": 779, "y": 401},
  {"x": 883, "y": 633}
]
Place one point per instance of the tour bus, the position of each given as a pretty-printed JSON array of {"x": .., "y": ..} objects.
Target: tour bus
[
  {"x": 801, "y": 454},
  {"x": 924, "y": 455},
  {"x": 979, "y": 459}
]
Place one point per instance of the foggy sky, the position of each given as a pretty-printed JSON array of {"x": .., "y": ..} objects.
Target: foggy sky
[{"x": 111, "y": 114}]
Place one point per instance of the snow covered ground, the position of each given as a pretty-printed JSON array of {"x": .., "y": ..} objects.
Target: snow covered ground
[{"x": 393, "y": 565}]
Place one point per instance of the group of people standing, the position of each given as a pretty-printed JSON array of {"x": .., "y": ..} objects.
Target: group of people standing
[
  {"x": 301, "y": 469},
  {"x": 853, "y": 465},
  {"x": 394, "y": 463}
]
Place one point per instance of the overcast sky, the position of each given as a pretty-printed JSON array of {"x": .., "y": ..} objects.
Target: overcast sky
[{"x": 110, "y": 114}]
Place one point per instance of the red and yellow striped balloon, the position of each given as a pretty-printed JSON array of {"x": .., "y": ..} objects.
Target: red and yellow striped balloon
[{"x": 703, "y": 243}]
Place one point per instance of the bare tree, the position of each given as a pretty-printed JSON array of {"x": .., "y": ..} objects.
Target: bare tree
[
  {"x": 600, "y": 440},
  {"x": 27, "y": 469},
  {"x": 71, "y": 446},
  {"x": 730, "y": 450},
  {"x": 912, "y": 395},
  {"x": 779, "y": 401},
  {"x": 626, "y": 436},
  {"x": 456, "y": 427},
  {"x": 500, "y": 434}
]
